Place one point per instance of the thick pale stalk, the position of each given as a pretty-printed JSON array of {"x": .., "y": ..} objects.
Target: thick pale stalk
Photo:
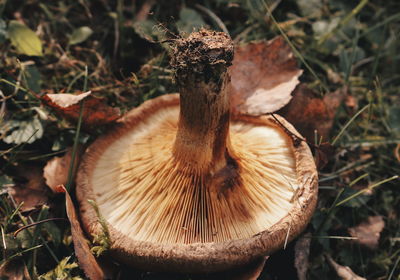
[{"x": 201, "y": 63}]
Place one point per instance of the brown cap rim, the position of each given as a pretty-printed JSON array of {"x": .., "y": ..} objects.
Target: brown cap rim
[{"x": 198, "y": 257}]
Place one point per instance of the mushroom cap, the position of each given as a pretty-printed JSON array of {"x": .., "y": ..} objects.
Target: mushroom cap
[{"x": 161, "y": 216}]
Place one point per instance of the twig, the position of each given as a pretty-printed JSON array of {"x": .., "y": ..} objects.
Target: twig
[
  {"x": 296, "y": 139},
  {"x": 36, "y": 223}
]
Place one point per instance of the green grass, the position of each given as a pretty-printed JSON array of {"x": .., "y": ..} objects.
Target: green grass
[{"x": 338, "y": 43}]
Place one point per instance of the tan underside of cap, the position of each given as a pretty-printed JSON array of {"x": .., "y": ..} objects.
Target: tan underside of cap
[{"x": 145, "y": 194}]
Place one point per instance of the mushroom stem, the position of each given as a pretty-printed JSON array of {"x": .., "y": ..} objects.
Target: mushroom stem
[{"x": 201, "y": 62}]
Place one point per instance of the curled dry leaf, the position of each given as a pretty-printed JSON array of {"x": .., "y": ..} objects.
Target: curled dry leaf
[
  {"x": 56, "y": 170},
  {"x": 95, "y": 112},
  {"x": 368, "y": 233},
  {"x": 65, "y": 100},
  {"x": 397, "y": 152},
  {"x": 263, "y": 76},
  {"x": 309, "y": 113},
  {"x": 14, "y": 270},
  {"x": 343, "y": 272},
  {"x": 86, "y": 260},
  {"x": 33, "y": 192},
  {"x": 301, "y": 254}
]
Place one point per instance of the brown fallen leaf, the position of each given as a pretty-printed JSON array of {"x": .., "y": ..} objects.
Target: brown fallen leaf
[
  {"x": 145, "y": 9},
  {"x": 86, "y": 260},
  {"x": 309, "y": 113},
  {"x": 33, "y": 192},
  {"x": 301, "y": 254},
  {"x": 95, "y": 112},
  {"x": 351, "y": 103},
  {"x": 56, "y": 170},
  {"x": 397, "y": 152},
  {"x": 14, "y": 270},
  {"x": 368, "y": 233},
  {"x": 263, "y": 76},
  {"x": 343, "y": 272}
]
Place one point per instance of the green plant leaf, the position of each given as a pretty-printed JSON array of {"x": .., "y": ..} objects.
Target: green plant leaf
[
  {"x": 189, "y": 21},
  {"x": 54, "y": 232},
  {"x": 24, "y": 39},
  {"x": 394, "y": 120},
  {"x": 3, "y": 31},
  {"x": 321, "y": 27},
  {"x": 310, "y": 8},
  {"x": 148, "y": 30},
  {"x": 33, "y": 78},
  {"x": 24, "y": 131},
  {"x": 80, "y": 35},
  {"x": 4, "y": 180},
  {"x": 61, "y": 271}
]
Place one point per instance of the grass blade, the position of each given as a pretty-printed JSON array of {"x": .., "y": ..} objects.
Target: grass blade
[
  {"x": 347, "y": 199},
  {"x": 348, "y": 123}
]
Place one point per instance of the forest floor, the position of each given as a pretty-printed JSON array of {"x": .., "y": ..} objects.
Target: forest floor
[{"x": 119, "y": 50}]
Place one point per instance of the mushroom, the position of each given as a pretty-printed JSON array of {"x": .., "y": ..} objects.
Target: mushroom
[{"x": 184, "y": 186}]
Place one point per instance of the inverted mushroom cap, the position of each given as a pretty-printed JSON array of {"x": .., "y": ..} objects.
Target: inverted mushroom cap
[{"x": 184, "y": 188}]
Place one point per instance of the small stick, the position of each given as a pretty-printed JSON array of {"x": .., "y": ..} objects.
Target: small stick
[
  {"x": 36, "y": 223},
  {"x": 296, "y": 139}
]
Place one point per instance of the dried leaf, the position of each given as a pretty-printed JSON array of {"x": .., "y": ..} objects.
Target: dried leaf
[
  {"x": 301, "y": 254},
  {"x": 33, "y": 193},
  {"x": 20, "y": 132},
  {"x": 368, "y": 233},
  {"x": 309, "y": 113},
  {"x": 96, "y": 112},
  {"x": 351, "y": 102},
  {"x": 2, "y": 107},
  {"x": 145, "y": 9},
  {"x": 65, "y": 100},
  {"x": 56, "y": 170},
  {"x": 397, "y": 152},
  {"x": 263, "y": 76},
  {"x": 14, "y": 270},
  {"x": 85, "y": 258},
  {"x": 343, "y": 272}
]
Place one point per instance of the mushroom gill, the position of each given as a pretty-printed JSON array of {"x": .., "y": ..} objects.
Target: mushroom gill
[
  {"x": 144, "y": 192},
  {"x": 185, "y": 185}
]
